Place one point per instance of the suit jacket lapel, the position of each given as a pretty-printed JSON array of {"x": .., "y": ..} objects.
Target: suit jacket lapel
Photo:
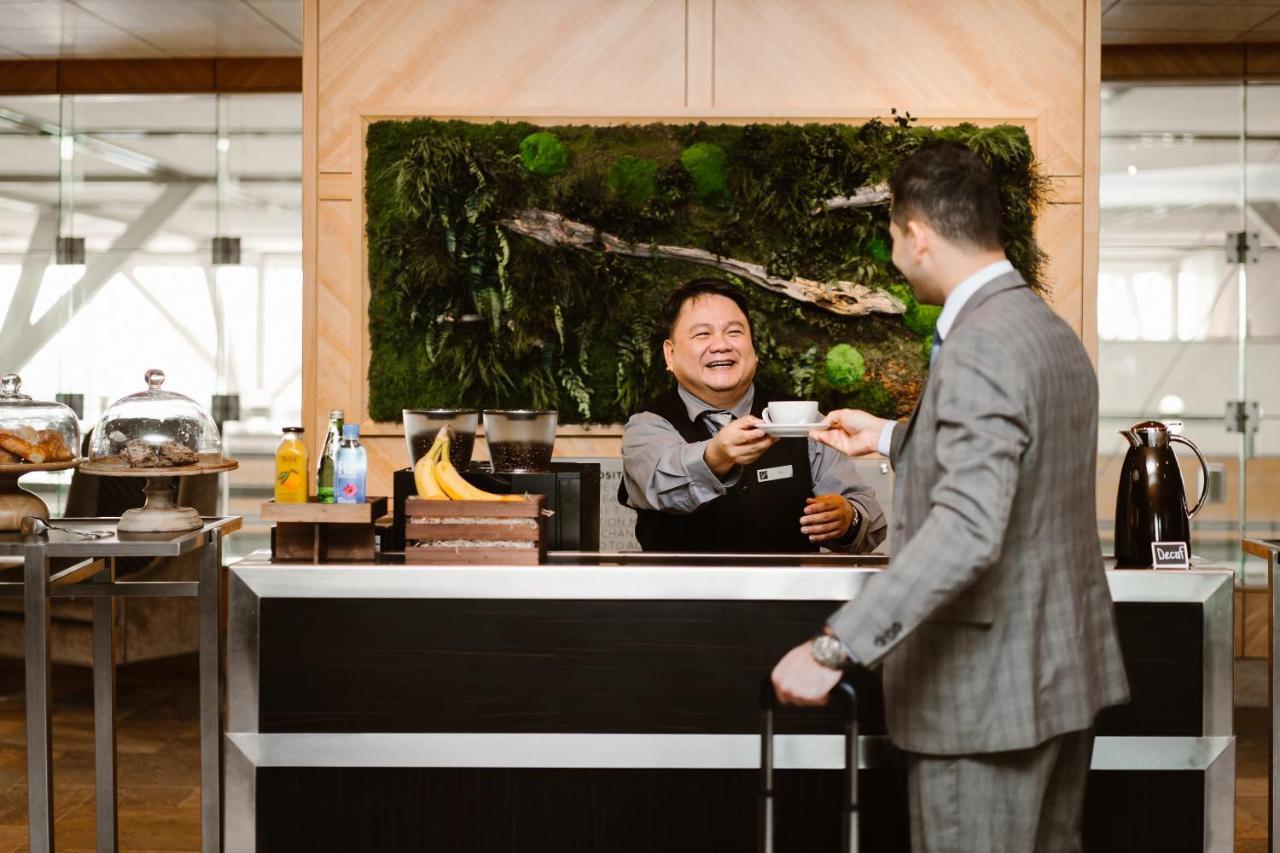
[{"x": 1008, "y": 281}]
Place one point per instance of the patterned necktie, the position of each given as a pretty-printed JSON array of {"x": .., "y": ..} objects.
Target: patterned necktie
[
  {"x": 937, "y": 345},
  {"x": 715, "y": 419}
]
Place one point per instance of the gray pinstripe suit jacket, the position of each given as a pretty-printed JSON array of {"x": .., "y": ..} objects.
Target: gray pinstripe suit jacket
[{"x": 994, "y": 622}]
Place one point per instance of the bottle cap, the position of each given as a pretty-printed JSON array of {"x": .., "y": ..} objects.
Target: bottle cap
[
  {"x": 335, "y": 414},
  {"x": 293, "y": 429},
  {"x": 351, "y": 431}
]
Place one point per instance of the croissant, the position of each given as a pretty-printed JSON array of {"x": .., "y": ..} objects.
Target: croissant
[
  {"x": 21, "y": 448},
  {"x": 7, "y": 458},
  {"x": 54, "y": 447}
]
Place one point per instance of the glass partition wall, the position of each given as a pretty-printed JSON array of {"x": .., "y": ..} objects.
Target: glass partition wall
[
  {"x": 1188, "y": 313},
  {"x": 109, "y": 210}
]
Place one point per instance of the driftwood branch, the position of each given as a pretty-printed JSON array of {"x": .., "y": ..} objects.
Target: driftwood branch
[
  {"x": 839, "y": 297},
  {"x": 865, "y": 197}
]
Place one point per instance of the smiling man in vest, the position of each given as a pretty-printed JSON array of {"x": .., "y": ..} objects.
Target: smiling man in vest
[{"x": 701, "y": 473}]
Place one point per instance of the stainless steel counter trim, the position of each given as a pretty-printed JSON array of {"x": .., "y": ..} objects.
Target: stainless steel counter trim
[
  {"x": 658, "y": 751},
  {"x": 242, "y": 655},
  {"x": 239, "y": 816},
  {"x": 1220, "y": 803},
  {"x": 1218, "y": 656},
  {"x": 59, "y": 543},
  {"x": 1269, "y": 549},
  {"x": 554, "y": 582},
  {"x": 728, "y": 583},
  {"x": 1189, "y": 585}
]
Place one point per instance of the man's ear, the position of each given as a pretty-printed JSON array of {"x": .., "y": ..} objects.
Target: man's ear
[
  {"x": 668, "y": 348},
  {"x": 921, "y": 238}
]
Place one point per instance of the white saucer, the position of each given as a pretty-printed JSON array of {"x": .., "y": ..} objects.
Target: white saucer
[{"x": 790, "y": 430}]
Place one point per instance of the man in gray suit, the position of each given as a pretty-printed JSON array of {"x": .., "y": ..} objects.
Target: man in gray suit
[{"x": 994, "y": 625}]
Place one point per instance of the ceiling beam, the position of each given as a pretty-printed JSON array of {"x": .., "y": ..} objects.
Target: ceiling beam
[
  {"x": 213, "y": 75},
  {"x": 1190, "y": 63}
]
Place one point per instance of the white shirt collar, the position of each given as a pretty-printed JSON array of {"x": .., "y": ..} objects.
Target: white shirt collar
[{"x": 964, "y": 290}]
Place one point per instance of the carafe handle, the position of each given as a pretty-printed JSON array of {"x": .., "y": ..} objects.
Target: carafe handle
[{"x": 1204, "y": 480}]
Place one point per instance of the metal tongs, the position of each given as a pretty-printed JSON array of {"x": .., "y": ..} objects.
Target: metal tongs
[{"x": 34, "y": 525}]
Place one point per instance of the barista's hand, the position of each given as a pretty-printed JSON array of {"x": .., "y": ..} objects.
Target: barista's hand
[
  {"x": 851, "y": 431},
  {"x": 826, "y": 517},
  {"x": 798, "y": 679},
  {"x": 740, "y": 442}
]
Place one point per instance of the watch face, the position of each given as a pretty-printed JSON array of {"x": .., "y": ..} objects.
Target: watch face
[{"x": 827, "y": 651}]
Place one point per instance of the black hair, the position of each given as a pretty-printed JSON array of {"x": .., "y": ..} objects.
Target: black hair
[
  {"x": 947, "y": 186},
  {"x": 701, "y": 287}
]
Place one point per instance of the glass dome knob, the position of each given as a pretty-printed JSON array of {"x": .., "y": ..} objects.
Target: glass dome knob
[
  {"x": 155, "y": 378},
  {"x": 11, "y": 386}
]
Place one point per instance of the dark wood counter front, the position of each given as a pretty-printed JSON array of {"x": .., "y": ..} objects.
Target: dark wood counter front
[{"x": 614, "y": 708}]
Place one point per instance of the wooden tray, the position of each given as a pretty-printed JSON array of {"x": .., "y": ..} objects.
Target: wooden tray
[
  {"x": 477, "y": 523},
  {"x": 314, "y": 512},
  {"x": 424, "y": 554},
  {"x": 26, "y": 467},
  {"x": 227, "y": 464},
  {"x": 530, "y": 507}
]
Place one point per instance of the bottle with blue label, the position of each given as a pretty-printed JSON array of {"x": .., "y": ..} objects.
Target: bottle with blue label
[{"x": 350, "y": 467}]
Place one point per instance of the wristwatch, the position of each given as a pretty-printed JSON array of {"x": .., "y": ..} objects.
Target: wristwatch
[{"x": 828, "y": 651}]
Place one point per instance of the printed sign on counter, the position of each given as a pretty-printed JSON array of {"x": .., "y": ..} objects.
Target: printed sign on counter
[{"x": 1170, "y": 555}]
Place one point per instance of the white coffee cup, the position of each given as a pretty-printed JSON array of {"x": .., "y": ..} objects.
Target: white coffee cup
[{"x": 791, "y": 412}]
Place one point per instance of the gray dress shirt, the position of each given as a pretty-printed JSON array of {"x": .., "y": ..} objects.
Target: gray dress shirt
[{"x": 664, "y": 472}]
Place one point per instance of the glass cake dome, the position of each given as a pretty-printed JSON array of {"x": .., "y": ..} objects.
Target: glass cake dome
[
  {"x": 32, "y": 432},
  {"x": 155, "y": 429}
]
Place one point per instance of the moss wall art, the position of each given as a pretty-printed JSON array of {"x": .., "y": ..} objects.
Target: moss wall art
[{"x": 512, "y": 265}]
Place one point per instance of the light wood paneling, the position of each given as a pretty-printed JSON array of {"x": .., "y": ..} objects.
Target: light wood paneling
[
  {"x": 1255, "y": 631},
  {"x": 1031, "y": 63},
  {"x": 339, "y": 317},
  {"x": 623, "y": 55},
  {"x": 336, "y": 186},
  {"x": 700, "y": 54},
  {"x": 1060, "y": 226},
  {"x": 1092, "y": 154},
  {"x": 387, "y": 454},
  {"x": 917, "y": 55}
]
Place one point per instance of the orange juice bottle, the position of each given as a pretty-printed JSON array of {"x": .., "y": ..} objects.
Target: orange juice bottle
[{"x": 291, "y": 468}]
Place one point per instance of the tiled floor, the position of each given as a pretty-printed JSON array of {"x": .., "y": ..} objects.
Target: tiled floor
[{"x": 158, "y": 744}]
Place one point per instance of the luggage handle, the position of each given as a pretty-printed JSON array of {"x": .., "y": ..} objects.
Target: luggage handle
[{"x": 768, "y": 702}]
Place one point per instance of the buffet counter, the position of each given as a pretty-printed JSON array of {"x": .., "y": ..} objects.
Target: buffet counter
[{"x": 610, "y": 702}]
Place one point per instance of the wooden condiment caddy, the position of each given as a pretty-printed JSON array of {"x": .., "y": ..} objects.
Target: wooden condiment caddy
[
  {"x": 323, "y": 533},
  {"x": 449, "y": 532}
]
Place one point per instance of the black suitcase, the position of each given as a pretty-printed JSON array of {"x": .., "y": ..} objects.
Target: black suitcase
[{"x": 768, "y": 701}]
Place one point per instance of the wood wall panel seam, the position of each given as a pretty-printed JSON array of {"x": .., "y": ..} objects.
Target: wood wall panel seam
[
  {"x": 312, "y": 408},
  {"x": 1091, "y": 153}
]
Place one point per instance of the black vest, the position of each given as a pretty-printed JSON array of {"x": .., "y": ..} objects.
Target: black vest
[{"x": 759, "y": 514}]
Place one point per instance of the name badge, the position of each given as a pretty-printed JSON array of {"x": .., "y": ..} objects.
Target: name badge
[
  {"x": 768, "y": 475},
  {"x": 1170, "y": 555}
]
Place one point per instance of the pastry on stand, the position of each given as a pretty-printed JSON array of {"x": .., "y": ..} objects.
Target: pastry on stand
[
  {"x": 156, "y": 434},
  {"x": 34, "y": 436}
]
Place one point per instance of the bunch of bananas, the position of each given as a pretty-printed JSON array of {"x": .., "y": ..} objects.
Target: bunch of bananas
[{"x": 437, "y": 479}]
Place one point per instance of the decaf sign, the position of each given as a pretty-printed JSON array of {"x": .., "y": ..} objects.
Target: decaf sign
[{"x": 1170, "y": 555}]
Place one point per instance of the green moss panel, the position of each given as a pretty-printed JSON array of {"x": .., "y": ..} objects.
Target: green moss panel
[{"x": 463, "y": 311}]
